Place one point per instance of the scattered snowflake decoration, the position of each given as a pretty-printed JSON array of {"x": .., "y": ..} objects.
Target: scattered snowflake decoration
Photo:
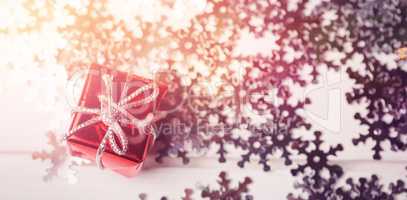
[
  {"x": 201, "y": 55},
  {"x": 384, "y": 90},
  {"x": 365, "y": 188},
  {"x": 179, "y": 124},
  {"x": 276, "y": 135},
  {"x": 187, "y": 195},
  {"x": 371, "y": 188},
  {"x": 30, "y": 16},
  {"x": 225, "y": 190},
  {"x": 211, "y": 35},
  {"x": 207, "y": 107},
  {"x": 57, "y": 156},
  {"x": 300, "y": 28},
  {"x": 381, "y": 26},
  {"x": 321, "y": 189},
  {"x": 61, "y": 163},
  {"x": 96, "y": 36},
  {"x": 317, "y": 159}
]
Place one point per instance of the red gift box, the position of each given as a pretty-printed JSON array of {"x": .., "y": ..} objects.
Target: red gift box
[{"x": 85, "y": 142}]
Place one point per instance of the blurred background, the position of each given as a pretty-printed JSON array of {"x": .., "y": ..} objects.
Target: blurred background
[{"x": 307, "y": 65}]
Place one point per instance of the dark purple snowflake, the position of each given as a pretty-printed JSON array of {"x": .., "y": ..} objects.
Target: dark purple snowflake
[
  {"x": 207, "y": 41},
  {"x": 186, "y": 119},
  {"x": 226, "y": 191},
  {"x": 274, "y": 136},
  {"x": 187, "y": 195},
  {"x": 332, "y": 189},
  {"x": 179, "y": 124},
  {"x": 267, "y": 95},
  {"x": 384, "y": 90},
  {"x": 371, "y": 189},
  {"x": 315, "y": 189},
  {"x": 382, "y": 26},
  {"x": 318, "y": 159},
  {"x": 305, "y": 35},
  {"x": 274, "y": 70}
]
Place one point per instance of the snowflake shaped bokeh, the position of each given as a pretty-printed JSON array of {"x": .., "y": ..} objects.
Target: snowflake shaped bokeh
[
  {"x": 206, "y": 107},
  {"x": 96, "y": 36},
  {"x": 202, "y": 53},
  {"x": 382, "y": 25},
  {"x": 30, "y": 17}
]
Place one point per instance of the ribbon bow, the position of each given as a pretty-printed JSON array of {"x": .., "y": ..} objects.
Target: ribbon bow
[{"x": 113, "y": 114}]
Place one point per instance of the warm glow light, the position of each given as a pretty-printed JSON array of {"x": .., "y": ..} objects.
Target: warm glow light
[
  {"x": 402, "y": 53},
  {"x": 13, "y": 15},
  {"x": 33, "y": 30}
]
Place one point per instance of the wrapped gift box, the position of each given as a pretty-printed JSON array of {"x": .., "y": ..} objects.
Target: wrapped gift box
[{"x": 85, "y": 141}]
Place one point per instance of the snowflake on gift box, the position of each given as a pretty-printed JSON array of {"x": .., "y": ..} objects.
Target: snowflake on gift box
[
  {"x": 61, "y": 162},
  {"x": 317, "y": 159},
  {"x": 384, "y": 91},
  {"x": 226, "y": 191},
  {"x": 371, "y": 188}
]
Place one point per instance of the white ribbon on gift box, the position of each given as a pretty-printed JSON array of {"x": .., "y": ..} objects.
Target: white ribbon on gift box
[{"x": 113, "y": 114}]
